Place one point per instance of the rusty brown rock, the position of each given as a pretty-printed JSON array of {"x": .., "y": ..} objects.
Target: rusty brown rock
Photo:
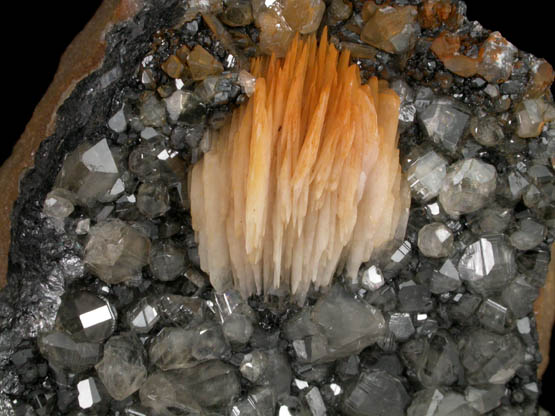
[
  {"x": 435, "y": 13},
  {"x": 84, "y": 55}
]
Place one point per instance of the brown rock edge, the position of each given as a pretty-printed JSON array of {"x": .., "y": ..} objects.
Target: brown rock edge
[{"x": 83, "y": 56}]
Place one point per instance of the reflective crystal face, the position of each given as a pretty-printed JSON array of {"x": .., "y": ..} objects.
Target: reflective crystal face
[{"x": 87, "y": 317}]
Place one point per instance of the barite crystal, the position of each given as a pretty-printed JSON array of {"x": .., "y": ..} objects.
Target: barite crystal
[
  {"x": 497, "y": 57},
  {"x": 122, "y": 369},
  {"x": 202, "y": 64},
  {"x": 488, "y": 264},
  {"x": 58, "y": 203},
  {"x": 304, "y": 16},
  {"x": 334, "y": 194},
  {"x": 468, "y": 186},
  {"x": 87, "y": 317},
  {"x": 115, "y": 251},
  {"x": 435, "y": 240}
]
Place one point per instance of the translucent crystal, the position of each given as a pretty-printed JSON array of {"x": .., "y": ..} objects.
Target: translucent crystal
[
  {"x": 238, "y": 329},
  {"x": 488, "y": 264},
  {"x": 444, "y": 121},
  {"x": 261, "y": 401},
  {"x": 304, "y": 16},
  {"x": 497, "y": 57},
  {"x": 89, "y": 172},
  {"x": 175, "y": 348},
  {"x": 484, "y": 399},
  {"x": 414, "y": 298},
  {"x": 115, "y": 251},
  {"x": 254, "y": 365},
  {"x": 490, "y": 358},
  {"x": 153, "y": 200},
  {"x": 237, "y": 13},
  {"x": 372, "y": 278},
  {"x": 153, "y": 111},
  {"x": 486, "y": 130},
  {"x": 446, "y": 279},
  {"x": 275, "y": 33},
  {"x": 202, "y": 64},
  {"x": 425, "y": 175},
  {"x": 315, "y": 402},
  {"x": 143, "y": 316},
  {"x": 247, "y": 82},
  {"x": 519, "y": 296},
  {"x": 392, "y": 29},
  {"x": 167, "y": 260},
  {"x": 375, "y": 393},
  {"x": 88, "y": 393},
  {"x": 494, "y": 219},
  {"x": 122, "y": 369},
  {"x": 463, "y": 308},
  {"x": 58, "y": 203},
  {"x": 358, "y": 326},
  {"x": 118, "y": 122},
  {"x": 268, "y": 368},
  {"x": 62, "y": 351},
  {"x": 438, "y": 402},
  {"x": 494, "y": 316},
  {"x": 401, "y": 326},
  {"x": 185, "y": 106},
  {"x": 87, "y": 317},
  {"x": 208, "y": 386},
  {"x": 529, "y": 234},
  {"x": 435, "y": 240},
  {"x": 468, "y": 186},
  {"x": 182, "y": 311},
  {"x": 531, "y": 116}
]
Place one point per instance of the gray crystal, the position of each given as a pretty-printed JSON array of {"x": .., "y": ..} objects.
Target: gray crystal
[
  {"x": 446, "y": 279},
  {"x": 464, "y": 307},
  {"x": 268, "y": 368},
  {"x": 356, "y": 327},
  {"x": 490, "y": 358},
  {"x": 375, "y": 393},
  {"x": 153, "y": 200},
  {"x": 83, "y": 226},
  {"x": 89, "y": 394},
  {"x": 494, "y": 316},
  {"x": 116, "y": 252},
  {"x": 519, "y": 296},
  {"x": 238, "y": 329},
  {"x": 261, "y": 401},
  {"x": 486, "y": 130},
  {"x": 167, "y": 260},
  {"x": 484, "y": 399},
  {"x": 315, "y": 402},
  {"x": 58, "y": 203},
  {"x": 494, "y": 219},
  {"x": 118, "y": 122},
  {"x": 89, "y": 172},
  {"x": 425, "y": 174},
  {"x": 143, "y": 316},
  {"x": 62, "y": 351},
  {"x": 414, "y": 298},
  {"x": 184, "y": 106},
  {"x": 182, "y": 311},
  {"x": 468, "y": 186},
  {"x": 372, "y": 278},
  {"x": 401, "y": 326},
  {"x": 122, "y": 369},
  {"x": 436, "y": 402},
  {"x": 488, "y": 265},
  {"x": 153, "y": 111},
  {"x": 209, "y": 386},
  {"x": 434, "y": 360},
  {"x": 175, "y": 348},
  {"x": 435, "y": 240},
  {"x": 87, "y": 317},
  {"x": 530, "y": 234},
  {"x": 444, "y": 121}
]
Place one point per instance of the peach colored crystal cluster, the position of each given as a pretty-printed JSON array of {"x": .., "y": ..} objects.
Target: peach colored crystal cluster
[{"x": 304, "y": 180}]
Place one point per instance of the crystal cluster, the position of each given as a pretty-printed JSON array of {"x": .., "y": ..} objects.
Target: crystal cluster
[
  {"x": 304, "y": 180},
  {"x": 108, "y": 312}
]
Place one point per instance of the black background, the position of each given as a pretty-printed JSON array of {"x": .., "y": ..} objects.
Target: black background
[{"x": 31, "y": 47}]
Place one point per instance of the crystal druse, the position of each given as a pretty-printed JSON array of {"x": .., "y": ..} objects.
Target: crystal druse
[{"x": 108, "y": 311}]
